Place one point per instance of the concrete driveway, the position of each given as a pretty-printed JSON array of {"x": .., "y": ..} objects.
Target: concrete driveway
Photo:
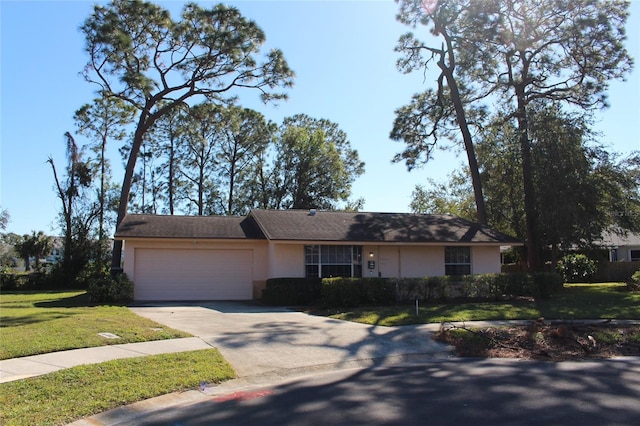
[{"x": 277, "y": 342}]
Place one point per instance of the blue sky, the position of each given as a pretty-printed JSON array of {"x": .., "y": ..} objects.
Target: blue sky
[{"x": 341, "y": 51}]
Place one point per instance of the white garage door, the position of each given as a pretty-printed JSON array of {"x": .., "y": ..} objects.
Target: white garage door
[{"x": 168, "y": 274}]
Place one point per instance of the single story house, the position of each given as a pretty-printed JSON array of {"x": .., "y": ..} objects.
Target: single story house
[
  {"x": 231, "y": 258},
  {"x": 622, "y": 247}
]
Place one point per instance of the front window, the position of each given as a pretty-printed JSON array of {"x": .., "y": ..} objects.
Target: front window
[
  {"x": 634, "y": 254},
  {"x": 332, "y": 261},
  {"x": 457, "y": 260}
]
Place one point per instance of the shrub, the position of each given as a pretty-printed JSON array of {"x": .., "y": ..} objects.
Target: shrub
[
  {"x": 519, "y": 284},
  {"x": 10, "y": 281},
  {"x": 38, "y": 281},
  {"x": 292, "y": 291},
  {"x": 478, "y": 287},
  {"x": 484, "y": 287},
  {"x": 547, "y": 283},
  {"x": 351, "y": 292},
  {"x": 633, "y": 284},
  {"x": 23, "y": 281},
  {"x": 424, "y": 289},
  {"x": 107, "y": 289},
  {"x": 345, "y": 292},
  {"x": 576, "y": 268}
]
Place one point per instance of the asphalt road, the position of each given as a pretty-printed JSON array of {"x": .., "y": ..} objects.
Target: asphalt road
[{"x": 451, "y": 392}]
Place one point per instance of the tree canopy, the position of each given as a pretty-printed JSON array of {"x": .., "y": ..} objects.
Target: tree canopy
[
  {"x": 436, "y": 112},
  {"x": 139, "y": 54},
  {"x": 4, "y": 219},
  {"x": 101, "y": 121},
  {"x": 518, "y": 52},
  {"x": 229, "y": 159},
  {"x": 36, "y": 245},
  {"x": 583, "y": 190},
  {"x": 314, "y": 164}
]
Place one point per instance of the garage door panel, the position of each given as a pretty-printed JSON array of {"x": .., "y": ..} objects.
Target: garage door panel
[{"x": 193, "y": 274}]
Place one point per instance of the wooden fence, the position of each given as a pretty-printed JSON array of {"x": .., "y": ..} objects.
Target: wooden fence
[{"x": 616, "y": 271}]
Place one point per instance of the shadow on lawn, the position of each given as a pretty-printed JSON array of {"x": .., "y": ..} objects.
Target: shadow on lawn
[
  {"x": 81, "y": 300},
  {"x": 16, "y": 321},
  {"x": 43, "y": 311}
]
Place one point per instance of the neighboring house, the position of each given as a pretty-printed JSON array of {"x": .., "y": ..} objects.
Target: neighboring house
[
  {"x": 57, "y": 248},
  {"x": 622, "y": 248},
  {"x": 230, "y": 258}
]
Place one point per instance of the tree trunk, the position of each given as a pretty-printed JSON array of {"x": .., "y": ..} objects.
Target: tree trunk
[
  {"x": 232, "y": 175},
  {"x": 448, "y": 71},
  {"x": 533, "y": 246},
  {"x": 143, "y": 124},
  {"x": 201, "y": 190},
  {"x": 468, "y": 146},
  {"x": 170, "y": 187},
  {"x": 103, "y": 172}
]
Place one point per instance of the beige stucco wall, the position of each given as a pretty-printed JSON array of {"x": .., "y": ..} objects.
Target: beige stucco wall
[
  {"x": 391, "y": 261},
  {"x": 286, "y": 260},
  {"x": 485, "y": 260},
  {"x": 395, "y": 261},
  {"x": 275, "y": 260},
  {"x": 422, "y": 262}
]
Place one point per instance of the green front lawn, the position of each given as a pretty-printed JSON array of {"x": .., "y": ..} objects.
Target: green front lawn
[
  {"x": 67, "y": 395},
  {"x": 576, "y": 301},
  {"x": 41, "y": 322}
]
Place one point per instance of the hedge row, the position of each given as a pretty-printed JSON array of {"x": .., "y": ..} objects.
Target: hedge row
[
  {"x": 10, "y": 281},
  {"x": 342, "y": 292},
  {"x": 488, "y": 287},
  {"x": 292, "y": 291},
  {"x": 53, "y": 279},
  {"x": 101, "y": 288}
]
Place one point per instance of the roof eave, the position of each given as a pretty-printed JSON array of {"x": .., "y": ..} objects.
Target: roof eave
[{"x": 382, "y": 242}]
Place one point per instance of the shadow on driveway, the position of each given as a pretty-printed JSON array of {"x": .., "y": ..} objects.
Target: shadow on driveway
[{"x": 258, "y": 339}]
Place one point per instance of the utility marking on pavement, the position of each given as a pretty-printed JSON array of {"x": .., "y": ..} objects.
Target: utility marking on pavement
[{"x": 243, "y": 396}]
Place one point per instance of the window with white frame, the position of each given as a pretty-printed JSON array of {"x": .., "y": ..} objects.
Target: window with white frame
[
  {"x": 457, "y": 260},
  {"x": 634, "y": 255},
  {"x": 326, "y": 261}
]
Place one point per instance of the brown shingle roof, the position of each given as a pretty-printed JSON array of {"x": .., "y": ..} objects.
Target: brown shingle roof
[
  {"x": 374, "y": 227},
  {"x": 158, "y": 226},
  {"x": 325, "y": 226}
]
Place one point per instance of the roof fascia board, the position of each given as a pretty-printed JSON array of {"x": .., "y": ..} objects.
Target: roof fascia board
[
  {"x": 394, "y": 243},
  {"x": 191, "y": 239}
]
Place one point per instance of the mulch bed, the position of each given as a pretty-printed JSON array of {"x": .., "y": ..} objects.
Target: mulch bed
[{"x": 544, "y": 341}]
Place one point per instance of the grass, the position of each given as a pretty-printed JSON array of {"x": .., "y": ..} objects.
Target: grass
[
  {"x": 32, "y": 323},
  {"x": 576, "y": 301},
  {"x": 64, "y": 396},
  {"x": 41, "y": 322}
]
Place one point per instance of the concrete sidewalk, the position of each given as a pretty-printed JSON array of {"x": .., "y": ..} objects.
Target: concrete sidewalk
[{"x": 36, "y": 365}]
